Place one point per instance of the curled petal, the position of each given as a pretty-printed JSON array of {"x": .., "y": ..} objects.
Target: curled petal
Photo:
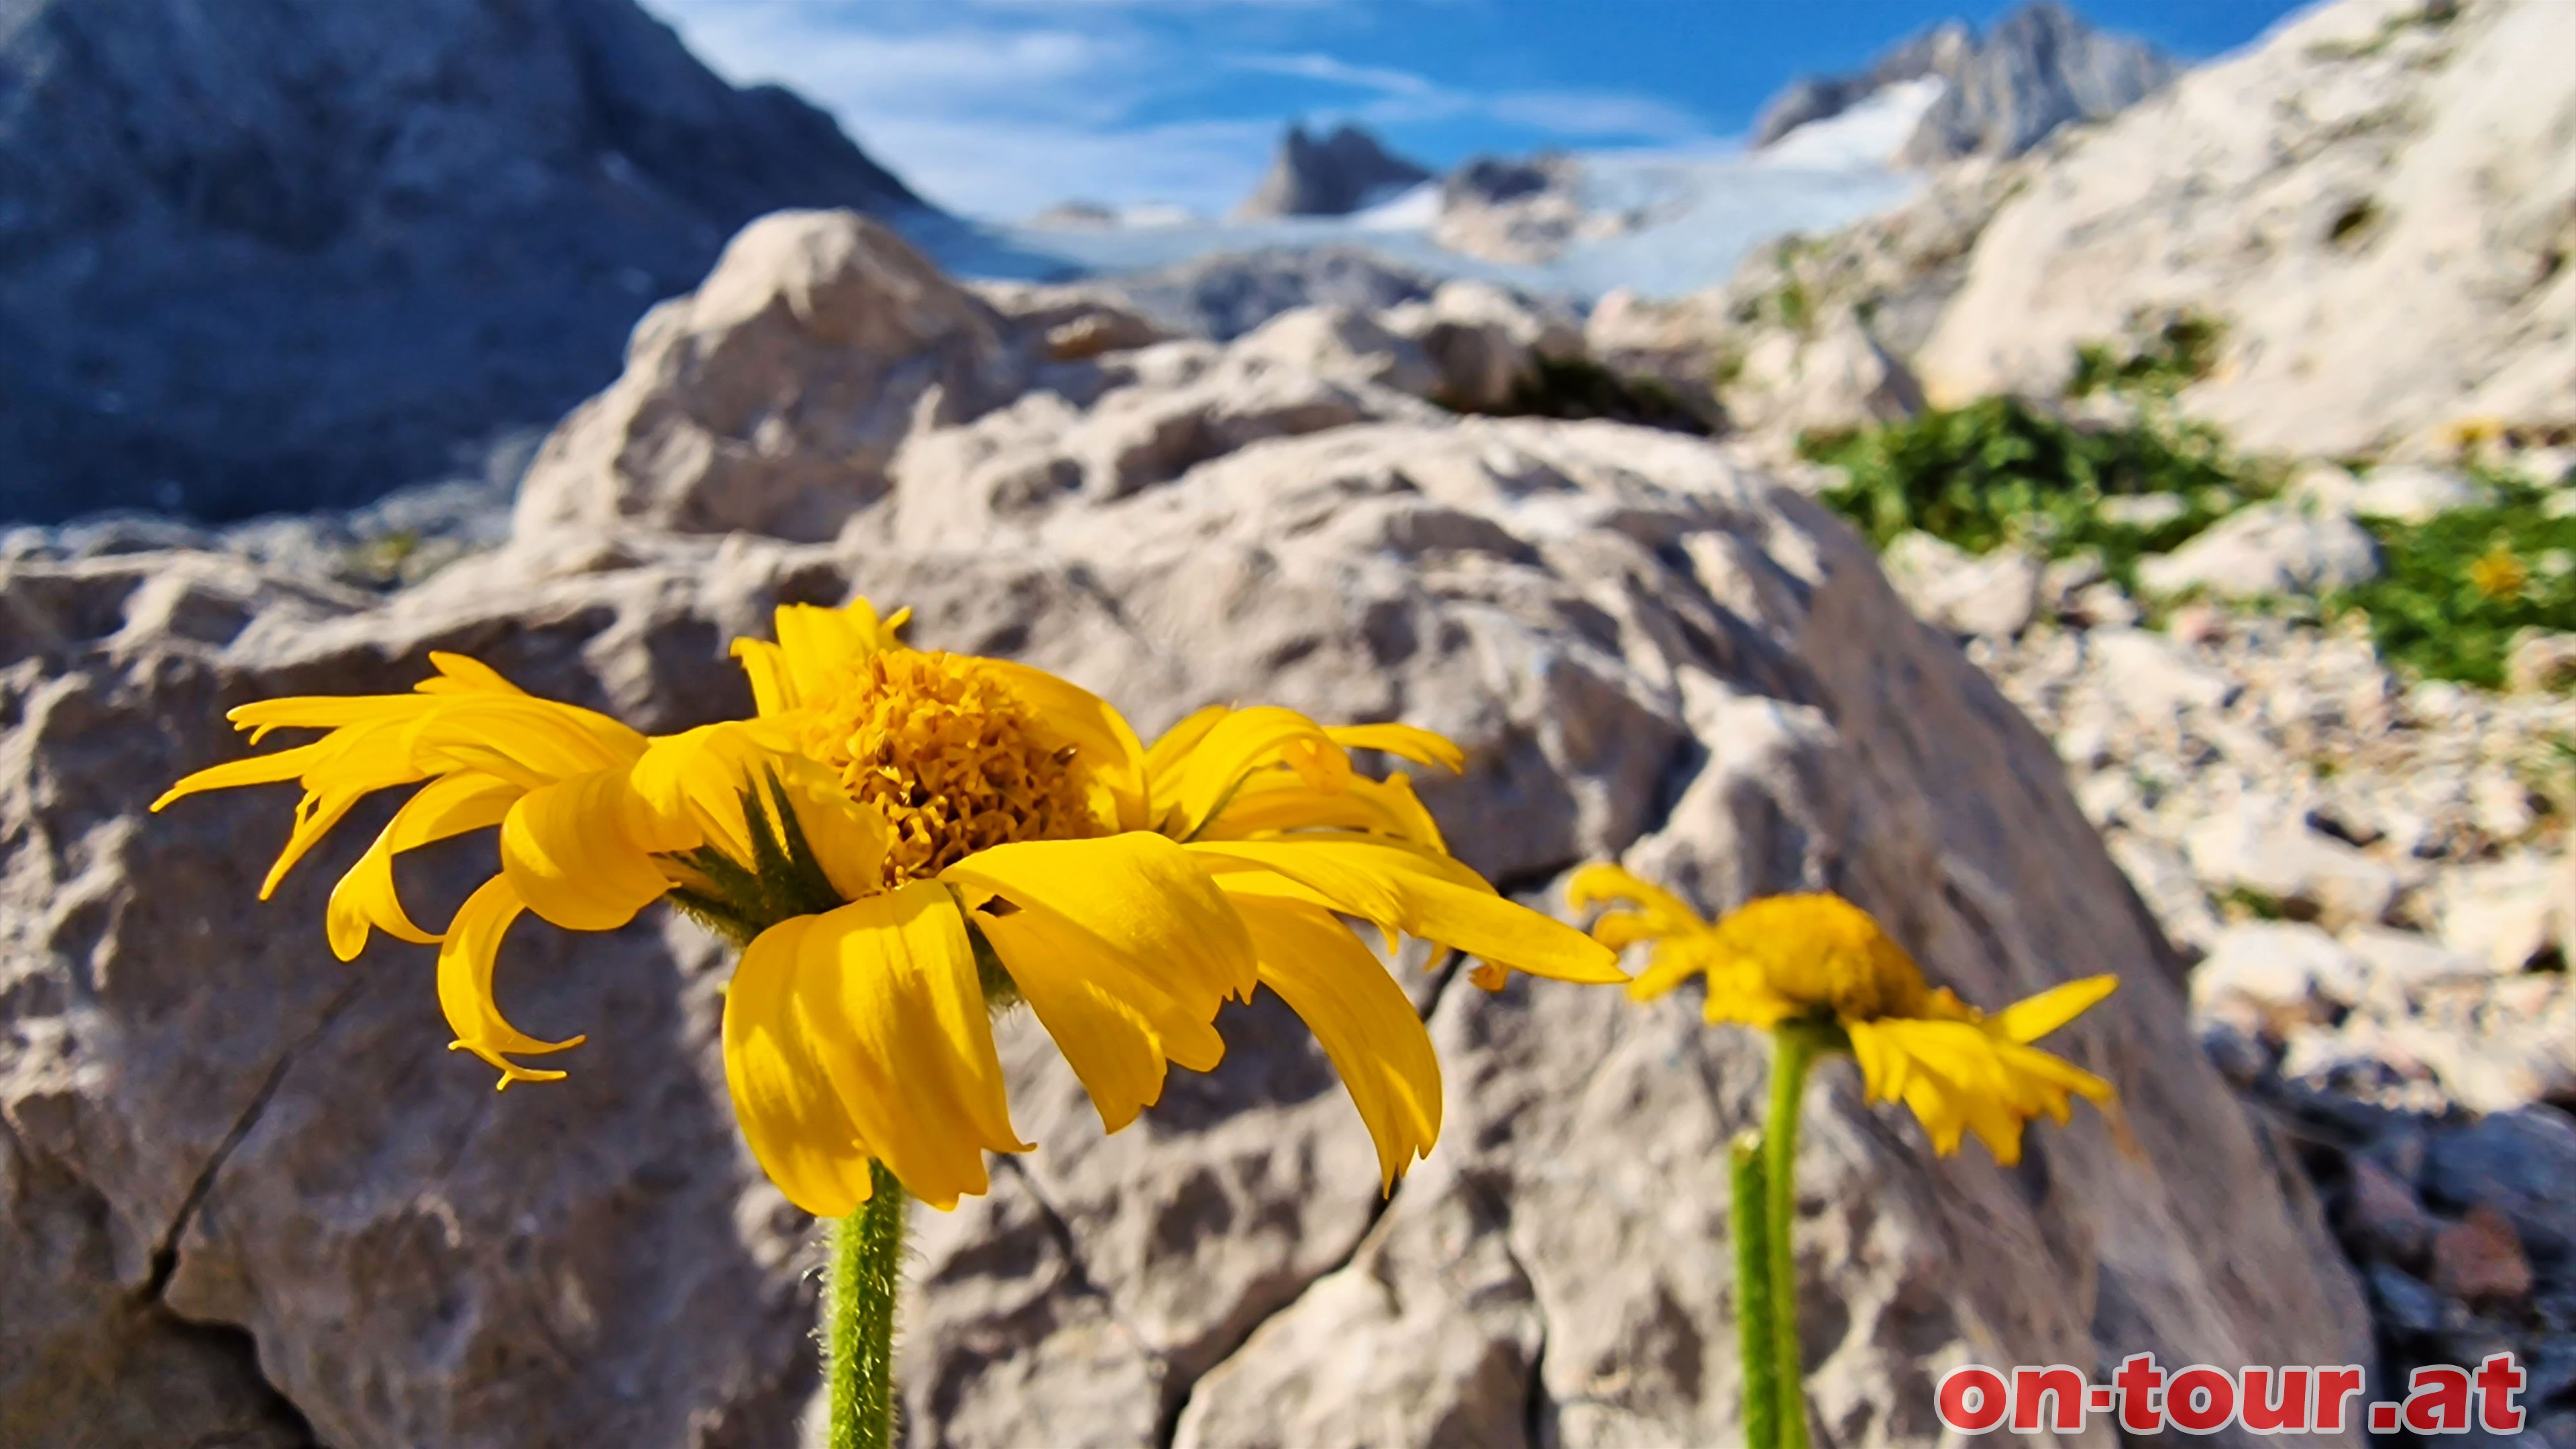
[
  {"x": 1659, "y": 913},
  {"x": 861, "y": 1033},
  {"x": 365, "y": 897},
  {"x": 465, "y": 963},
  {"x": 1405, "y": 741},
  {"x": 1366, "y": 1024},
  {"x": 570, "y": 852}
]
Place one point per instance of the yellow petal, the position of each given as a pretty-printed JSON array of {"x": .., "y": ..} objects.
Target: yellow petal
[
  {"x": 1410, "y": 742},
  {"x": 1411, "y": 890},
  {"x": 782, "y": 1093},
  {"x": 1274, "y": 802},
  {"x": 1661, "y": 913},
  {"x": 1125, "y": 950},
  {"x": 862, "y": 1032},
  {"x": 465, "y": 963},
  {"x": 1239, "y": 743},
  {"x": 1104, "y": 743},
  {"x": 458, "y": 674},
  {"x": 691, "y": 786},
  {"x": 2035, "y": 1017},
  {"x": 1363, "y": 1019},
  {"x": 569, "y": 854},
  {"x": 1141, "y": 895},
  {"x": 365, "y": 897},
  {"x": 532, "y": 741},
  {"x": 1961, "y": 1077},
  {"x": 256, "y": 770},
  {"x": 1170, "y": 754},
  {"x": 815, "y": 643},
  {"x": 773, "y": 691}
]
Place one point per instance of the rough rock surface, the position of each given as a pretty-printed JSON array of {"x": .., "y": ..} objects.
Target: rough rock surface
[
  {"x": 2374, "y": 205},
  {"x": 771, "y": 399},
  {"x": 1335, "y": 175},
  {"x": 254, "y": 1170},
  {"x": 299, "y": 253}
]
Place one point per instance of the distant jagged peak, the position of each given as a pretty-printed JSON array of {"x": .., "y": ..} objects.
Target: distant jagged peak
[
  {"x": 1330, "y": 175},
  {"x": 2041, "y": 67}
]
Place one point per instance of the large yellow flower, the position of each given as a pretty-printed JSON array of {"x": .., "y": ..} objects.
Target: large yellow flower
[
  {"x": 903, "y": 840},
  {"x": 1819, "y": 957}
]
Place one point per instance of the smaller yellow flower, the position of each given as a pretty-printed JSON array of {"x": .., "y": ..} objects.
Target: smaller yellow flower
[
  {"x": 1819, "y": 957},
  {"x": 2498, "y": 573}
]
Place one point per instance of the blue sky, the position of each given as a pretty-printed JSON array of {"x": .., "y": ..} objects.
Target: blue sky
[{"x": 1000, "y": 107}]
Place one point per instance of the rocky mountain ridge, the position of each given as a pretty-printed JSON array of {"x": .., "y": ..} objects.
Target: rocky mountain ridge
[
  {"x": 2039, "y": 69},
  {"x": 306, "y": 254},
  {"x": 1333, "y": 174}
]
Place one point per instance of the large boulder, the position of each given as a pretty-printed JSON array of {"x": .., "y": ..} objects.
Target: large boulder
[
  {"x": 253, "y": 1193},
  {"x": 2371, "y": 205},
  {"x": 772, "y": 398}
]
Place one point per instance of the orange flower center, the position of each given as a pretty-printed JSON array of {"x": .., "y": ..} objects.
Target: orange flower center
[{"x": 949, "y": 756}]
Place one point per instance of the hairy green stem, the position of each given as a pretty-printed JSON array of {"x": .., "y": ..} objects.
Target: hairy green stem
[
  {"x": 1753, "y": 1306},
  {"x": 1795, "y": 1046},
  {"x": 858, "y": 1317}
]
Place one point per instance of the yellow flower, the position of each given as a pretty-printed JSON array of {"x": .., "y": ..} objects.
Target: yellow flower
[
  {"x": 2497, "y": 573},
  {"x": 905, "y": 839},
  {"x": 1819, "y": 957}
]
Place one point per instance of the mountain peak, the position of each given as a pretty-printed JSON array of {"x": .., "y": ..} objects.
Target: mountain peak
[
  {"x": 1332, "y": 175},
  {"x": 2041, "y": 67}
]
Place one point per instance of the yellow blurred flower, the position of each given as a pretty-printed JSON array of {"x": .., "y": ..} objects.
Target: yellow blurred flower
[
  {"x": 2499, "y": 573},
  {"x": 905, "y": 839},
  {"x": 1819, "y": 957}
]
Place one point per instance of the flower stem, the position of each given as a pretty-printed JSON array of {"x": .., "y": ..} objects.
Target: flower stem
[
  {"x": 858, "y": 1309},
  {"x": 1795, "y": 1048},
  {"x": 1753, "y": 1307}
]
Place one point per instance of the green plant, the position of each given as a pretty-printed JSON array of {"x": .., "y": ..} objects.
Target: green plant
[
  {"x": 2177, "y": 352},
  {"x": 2458, "y": 586},
  {"x": 2000, "y": 471}
]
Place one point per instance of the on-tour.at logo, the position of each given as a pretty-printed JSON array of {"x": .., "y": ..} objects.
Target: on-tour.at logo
[{"x": 2203, "y": 1399}]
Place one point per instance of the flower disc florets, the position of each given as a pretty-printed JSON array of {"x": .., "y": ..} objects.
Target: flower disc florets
[{"x": 948, "y": 755}]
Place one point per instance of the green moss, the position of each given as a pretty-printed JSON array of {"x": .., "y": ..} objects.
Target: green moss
[
  {"x": 2458, "y": 586},
  {"x": 1999, "y": 471},
  {"x": 2240, "y": 903}
]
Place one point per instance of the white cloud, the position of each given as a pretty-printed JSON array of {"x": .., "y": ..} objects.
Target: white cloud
[
  {"x": 1318, "y": 67},
  {"x": 998, "y": 108}
]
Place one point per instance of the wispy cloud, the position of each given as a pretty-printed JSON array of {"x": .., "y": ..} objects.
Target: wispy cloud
[{"x": 1314, "y": 66}]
